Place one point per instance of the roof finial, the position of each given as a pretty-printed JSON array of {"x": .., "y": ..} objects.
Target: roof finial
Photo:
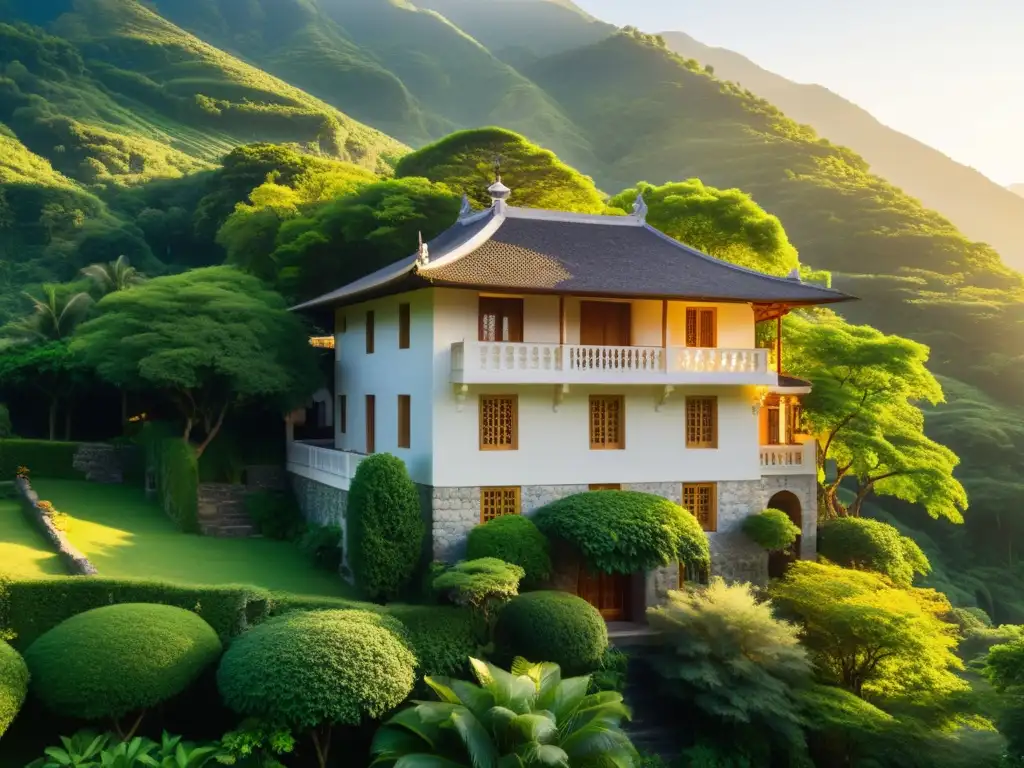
[
  {"x": 424, "y": 252},
  {"x": 794, "y": 274},
  {"x": 499, "y": 192},
  {"x": 640, "y": 207},
  {"x": 467, "y": 209}
]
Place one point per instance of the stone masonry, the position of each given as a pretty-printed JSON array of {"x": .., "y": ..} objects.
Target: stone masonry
[
  {"x": 221, "y": 510},
  {"x": 101, "y": 462}
]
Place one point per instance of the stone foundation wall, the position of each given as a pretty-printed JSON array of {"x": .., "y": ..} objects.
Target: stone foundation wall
[
  {"x": 805, "y": 488},
  {"x": 320, "y": 504},
  {"x": 101, "y": 462}
]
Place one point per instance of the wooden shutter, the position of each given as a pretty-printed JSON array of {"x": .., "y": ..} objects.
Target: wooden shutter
[
  {"x": 495, "y": 502},
  {"x": 700, "y": 499},
  {"x": 369, "y": 332},
  {"x": 500, "y": 319},
  {"x": 404, "y": 421},
  {"x": 773, "y": 426},
  {"x": 342, "y": 414},
  {"x": 371, "y": 424},
  {"x": 607, "y": 422},
  {"x": 499, "y": 422},
  {"x": 701, "y": 327},
  {"x": 403, "y": 326},
  {"x": 702, "y": 422}
]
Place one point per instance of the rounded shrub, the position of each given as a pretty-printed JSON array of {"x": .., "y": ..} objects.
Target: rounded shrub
[
  {"x": 13, "y": 685},
  {"x": 118, "y": 659},
  {"x": 625, "y": 531},
  {"x": 857, "y": 542},
  {"x": 552, "y": 626},
  {"x": 305, "y": 670},
  {"x": 514, "y": 539},
  {"x": 385, "y": 526},
  {"x": 771, "y": 530}
]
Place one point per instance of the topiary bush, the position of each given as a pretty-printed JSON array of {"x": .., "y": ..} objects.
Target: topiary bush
[
  {"x": 514, "y": 539},
  {"x": 311, "y": 671},
  {"x": 771, "y": 530},
  {"x": 13, "y": 685},
  {"x": 553, "y": 626},
  {"x": 482, "y": 586},
  {"x": 120, "y": 659},
  {"x": 322, "y": 545},
  {"x": 46, "y": 458},
  {"x": 443, "y": 638},
  {"x": 275, "y": 514},
  {"x": 625, "y": 531},
  {"x": 858, "y": 542},
  {"x": 385, "y": 527}
]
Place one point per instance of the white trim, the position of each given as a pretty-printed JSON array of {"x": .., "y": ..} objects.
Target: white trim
[
  {"x": 572, "y": 218},
  {"x": 319, "y": 476},
  {"x": 799, "y": 390},
  {"x": 467, "y": 247}
]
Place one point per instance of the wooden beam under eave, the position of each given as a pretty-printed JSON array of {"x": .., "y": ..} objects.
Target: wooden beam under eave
[{"x": 765, "y": 312}]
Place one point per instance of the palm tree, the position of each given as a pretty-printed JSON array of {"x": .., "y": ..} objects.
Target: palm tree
[
  {"x": 528, "y": 718},
  {"x": 53, "y": 317},
  {"x": 114, "y": 275}
]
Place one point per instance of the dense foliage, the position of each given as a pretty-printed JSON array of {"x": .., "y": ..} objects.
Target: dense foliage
[
  {"x": 872, "y": 545},
  {"x": 552, "y": 625},
  {"x": 1004, "y": 668},
  {"x": 311, "y": 671},
  {"x": 119, "y": 659},
  {"x": 514, "y": 539},
  {"x": 385, "y": 526},
  {"x": 772, "y": 530},
  {"x": 625, "y": 531},
  {"x": 484, "y": 584},
  {"x": 720, "y": 651},
  {"x": 13, "y": 685},
  {"x": 85, "y": 749},
  {"x": 530, "y": 716}
]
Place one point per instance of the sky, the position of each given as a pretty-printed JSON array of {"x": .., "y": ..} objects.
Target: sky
[{"x": 949, "y": 73}]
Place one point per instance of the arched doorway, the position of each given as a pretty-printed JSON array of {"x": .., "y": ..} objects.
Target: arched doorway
[{"x": 779, "y": 562}]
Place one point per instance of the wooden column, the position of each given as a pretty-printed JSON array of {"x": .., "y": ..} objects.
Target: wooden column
[
  {"x": 778, "y": 342},
  {"x": 664, "y": 323},
  {"x": 561, "y": 320}
]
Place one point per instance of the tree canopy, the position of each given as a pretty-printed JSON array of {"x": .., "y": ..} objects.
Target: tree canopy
[
  {"x": 465, "y": 162},
  {"x": 208, "y": 339},
  {"x": 724, "y": 223}
]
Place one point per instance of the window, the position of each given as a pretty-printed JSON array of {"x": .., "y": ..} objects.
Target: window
[
  {"x": 495, "y": 502},
  {"x": 607, "y": 423},
  {"x": 404, "y": 417},
  {"x": 701, "y": 501},
  {"x": 342, "y": 414},
  {"x": 605, "y": 487},
  {"x": 371, "y": 424},
  {"x": 403, "y": 326},
  {"x": 501, "y": 319},
  {"x": 702, "y": 422},
  {"x": 701, "y": 326},
  {"x": 369, "y": 332},
  {"x": 499, "y": 423}
]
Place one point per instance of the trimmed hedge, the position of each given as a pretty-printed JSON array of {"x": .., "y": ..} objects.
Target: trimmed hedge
[
  {"x": 859, "y": 542},
  {"x": 177, "y": 481},
  {"x": 771, "y": 530},
  {"x": 514, "y": 539},
  {"x": 304, "y": 670},
  {"x": 44, "y": 458},
  {"x": 385, "y": 527},
  {"x": 13, "y": 685},
  {"x": 118, "y": 659},
  {"x": 31, "y": 607},
  {"x": 625, "y": 531},
  {"x": 552, "y": 626}
]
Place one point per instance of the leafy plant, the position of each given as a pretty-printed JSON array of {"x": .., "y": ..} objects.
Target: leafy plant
[
  {"x": 514, "y": 539},
  {"x": 771, "y": 530},
  {"x": 527, "y": 717},
  {"x": 85, "y": 749},
  {"x": 872, "y": 545},
  {"x": 13, "y": 684},
  {"x": 610, "y": 674},
  {"x": 483, "y": 586},
  {"x": 322, "y": 543},
  {"x": 275, "y": 514},
  {"x": 552, "y": 625},
  {"x": 259, "y": 740}
]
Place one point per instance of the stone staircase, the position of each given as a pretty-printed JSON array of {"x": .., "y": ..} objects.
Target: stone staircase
[{"x": 222, "y": 511}]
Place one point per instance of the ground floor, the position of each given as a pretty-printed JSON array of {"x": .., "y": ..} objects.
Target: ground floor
[{"x": 450, "y": 514}]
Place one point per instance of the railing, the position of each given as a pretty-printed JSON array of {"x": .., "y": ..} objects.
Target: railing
[
  {"x": 789, "y": 459},
  {"x": 563, "y": 363},
  {"x": 339, "y": 464}
]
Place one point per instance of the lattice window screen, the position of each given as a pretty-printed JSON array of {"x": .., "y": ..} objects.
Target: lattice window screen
[
  {"x": 495, "y": 502},
  {"x": 499, "y": 416},
  {"x": 607, "y": 416},
  {"x": 701, "y": 422},
  {"x": 699, "y": 499}
]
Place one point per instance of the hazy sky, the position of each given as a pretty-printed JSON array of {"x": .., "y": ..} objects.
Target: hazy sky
[{"x": 948, "y": 72}]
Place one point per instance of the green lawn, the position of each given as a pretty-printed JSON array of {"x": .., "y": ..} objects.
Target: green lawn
[
  {"x": 24, "y": 553},
  {"x": 125, "y": 535}
]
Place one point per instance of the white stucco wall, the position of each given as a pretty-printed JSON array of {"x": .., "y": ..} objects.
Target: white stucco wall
[{"x": 387, "y": 373}]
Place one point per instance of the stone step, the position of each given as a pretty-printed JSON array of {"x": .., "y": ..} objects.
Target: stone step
[{"x": 232, "y": 531}]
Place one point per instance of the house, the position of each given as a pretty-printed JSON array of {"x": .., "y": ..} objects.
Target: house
[{"x": 525, "y": 355}]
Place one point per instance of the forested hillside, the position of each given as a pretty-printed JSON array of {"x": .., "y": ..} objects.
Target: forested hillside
[{"x": 114, "y": 120}]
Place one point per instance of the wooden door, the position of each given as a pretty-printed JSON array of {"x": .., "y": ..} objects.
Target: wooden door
[
  {"x": 608, "y": 592},
  {"x": 605, "y": 323},
  {"x": 500, "y": 319},
  {"x": 371, "y": 424}
]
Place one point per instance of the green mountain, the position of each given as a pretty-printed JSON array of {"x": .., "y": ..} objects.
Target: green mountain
[{"x": 979, "y": 207}]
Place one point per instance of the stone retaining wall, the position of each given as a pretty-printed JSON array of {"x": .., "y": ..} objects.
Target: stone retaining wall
[
  {"x": 221, "y": 510},
  {"x": 76, "y": 563},
  {"x": 103, "y": 462}
]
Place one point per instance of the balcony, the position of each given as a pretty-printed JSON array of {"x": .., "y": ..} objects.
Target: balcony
[
  {"x": 323, "y": 464},
  {"x": 789, "y": 459},
  {"x": 529, "y": 363}
]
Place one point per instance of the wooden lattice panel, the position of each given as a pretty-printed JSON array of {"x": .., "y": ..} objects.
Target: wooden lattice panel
[
  {"x": 495, "y": 502},
  {"x": 499, "y": 423},
  {"x": 702, "y": 422},
  {"x": 701, "y": 327},
  {"x": 607, "y": 422},
  {"x": 700, "y": 499}
]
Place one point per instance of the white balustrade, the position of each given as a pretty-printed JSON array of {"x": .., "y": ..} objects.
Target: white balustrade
[
  {"x": 338, "y": 464},
  {"x": 789, "y": 459},
  {"x": 703, "y": 359},
  {"x": 622, "y": 359}
]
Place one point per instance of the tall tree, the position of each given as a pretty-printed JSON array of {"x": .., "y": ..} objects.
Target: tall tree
[
  {"x": 53, "y": 317},
  {"x": 863, "y": 407},
  {"x": 209, "y": 340},
  {"x": 113, "y": 276},
  {"x": 46, "y": 367}
]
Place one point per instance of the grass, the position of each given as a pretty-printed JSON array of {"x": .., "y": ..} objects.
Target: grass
[
  {"x": 127, "y": 536},
  {"x": 23, "y": 551}
]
